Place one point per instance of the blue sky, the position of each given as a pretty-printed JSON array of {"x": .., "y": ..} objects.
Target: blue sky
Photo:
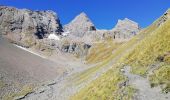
[{"x": 103, "y": 13}]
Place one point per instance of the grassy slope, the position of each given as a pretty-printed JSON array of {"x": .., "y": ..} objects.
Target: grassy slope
[
  {"x": 94, "y": 90},
  {"x": 139, "y": 52},
  {"x": 102, "y": 50},
  {"x": 153, "y": 49},
  {"x": 149, "y": 49},
  {"x": 161, "y": 76}
]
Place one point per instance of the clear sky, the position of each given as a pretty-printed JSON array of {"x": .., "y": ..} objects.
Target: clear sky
[{"x": 103, "y": 13}]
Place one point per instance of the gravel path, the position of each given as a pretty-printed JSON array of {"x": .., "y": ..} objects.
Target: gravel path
[
  {"x": 144, "y": 91},
  {"x": 61, "y": 88}
]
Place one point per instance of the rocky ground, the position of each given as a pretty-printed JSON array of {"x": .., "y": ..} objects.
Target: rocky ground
[
  {"x": 50, "y": 75},
  {"x": 144, "y": 90},
  {"x": 19, "y": 68}
]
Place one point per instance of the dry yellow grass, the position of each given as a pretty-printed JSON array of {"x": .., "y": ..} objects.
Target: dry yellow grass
[{"x": 139, "y": 52}]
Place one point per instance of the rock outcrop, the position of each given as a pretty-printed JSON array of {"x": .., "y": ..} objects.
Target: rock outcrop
[
  {"x": 43, "y": 30},
  {"x": 26, "y": 26},
  {"x": 125, "y": 29},
  {"x": 164, "y": 17},
  {"x": 80, "y": 25}
]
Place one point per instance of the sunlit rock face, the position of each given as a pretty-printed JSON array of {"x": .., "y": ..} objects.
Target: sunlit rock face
[
  {"x": 125, "y": 29},
  {"x": 80, "y": 25},
  {"x": 25, "y": 26}
]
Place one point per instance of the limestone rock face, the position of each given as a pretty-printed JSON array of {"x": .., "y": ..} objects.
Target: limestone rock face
[
  {"x": 80, "y": 25},
  {"x": 25, "y": 26},
  {"x": 125, "y": 29}
]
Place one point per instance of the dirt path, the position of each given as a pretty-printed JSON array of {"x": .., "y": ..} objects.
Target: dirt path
[{"x": 144, "y": 91}]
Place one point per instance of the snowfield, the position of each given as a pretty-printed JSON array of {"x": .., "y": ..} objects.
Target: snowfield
[
  {"x": 53, "y": 37},
  {"x": 30, "y": 51}
]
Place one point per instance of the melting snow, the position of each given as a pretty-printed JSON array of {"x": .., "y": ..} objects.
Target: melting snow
[
  {"x": 30, "y": 51},
  {"x": 53, "y": 37},
  {"x": 65, "y": 33}
]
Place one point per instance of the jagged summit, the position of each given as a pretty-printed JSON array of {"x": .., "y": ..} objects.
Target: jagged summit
[
  {"x": 80, "y": 25},
  {"x": 82, "y": 14},
  {"x": 81, "y": 17},
  {"x": 126, "y": 28},
  {"x": 126, "y": 22}
]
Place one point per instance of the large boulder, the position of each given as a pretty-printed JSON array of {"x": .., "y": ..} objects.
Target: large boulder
[
  {"x": 26, "y": 26},
  {"x": 80, "y": 25}
]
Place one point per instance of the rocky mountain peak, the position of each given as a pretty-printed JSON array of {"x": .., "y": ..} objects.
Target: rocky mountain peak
[
  {"x": 80, "y": 25},
  {"x": 126, "y": 23},
  {"x": 125, "y": 29}
]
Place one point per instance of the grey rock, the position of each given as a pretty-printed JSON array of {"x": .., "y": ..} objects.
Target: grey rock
[
  {"x": 80, "y": 25},
  {"x": 125, "y": 29},
  {"x": 80, "y": 49},
  {"x": 26, "y": 26}
]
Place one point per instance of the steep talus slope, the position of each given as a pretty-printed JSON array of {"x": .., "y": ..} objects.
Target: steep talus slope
[
  {"x": 21, "y": 71},
  {"x": 150, "y": 46}
]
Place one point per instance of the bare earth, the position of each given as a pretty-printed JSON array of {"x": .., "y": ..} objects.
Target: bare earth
[
  {"x": 19, "y": 67},
  {"x": 144, "y": 91}
]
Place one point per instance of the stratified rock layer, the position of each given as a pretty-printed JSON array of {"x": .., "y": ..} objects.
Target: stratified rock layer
[
  {"x": 25, "y": 26},
  {"x": 125, "y": 29}
]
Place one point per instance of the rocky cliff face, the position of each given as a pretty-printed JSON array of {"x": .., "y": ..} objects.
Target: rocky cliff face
[
  {"x": 125, "y": 29},
  {"x": 43, "y": 30},
  {"x": 80, "y": 25},
  {"x": 26, "y": 26}
]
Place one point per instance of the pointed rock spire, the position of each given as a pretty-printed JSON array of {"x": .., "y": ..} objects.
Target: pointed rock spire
[
  {"x": 80, "y": 25},
  {"x": 126, "y": 28}
]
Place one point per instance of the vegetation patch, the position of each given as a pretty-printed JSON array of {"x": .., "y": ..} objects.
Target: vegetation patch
[
  {"x": 140, "y": 52},
  {"x": 101, "y": 51},
  {"x": 161, "y": 76},
  {"x": 102, "y": 88},
  {"x": 149, "y": 49},
  {"x": 2, "y": 84},
  {"x": 24, "y": 91}
]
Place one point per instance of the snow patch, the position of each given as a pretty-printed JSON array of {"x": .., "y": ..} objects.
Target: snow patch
[
  {"x": 30, "y": 51},
  {"x": 65, "y": 33},
  {"x": 53, "y": 37}
]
